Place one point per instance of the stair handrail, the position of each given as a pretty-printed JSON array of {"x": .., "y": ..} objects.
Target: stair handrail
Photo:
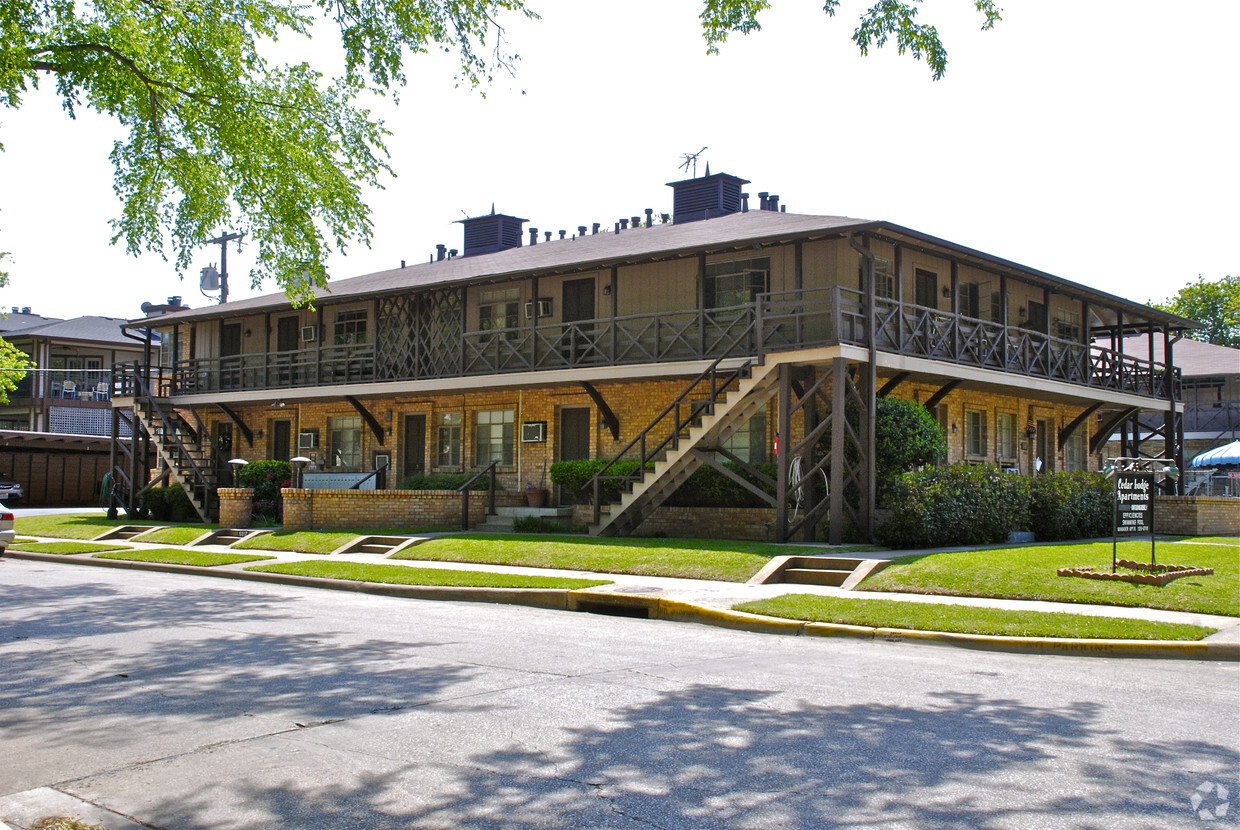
[
  {"x": 360, "y": 482},
  {"x": 185, "y": 454},
  {"x": 464, "y": 491},
  {"x": 645, "y": 454}
]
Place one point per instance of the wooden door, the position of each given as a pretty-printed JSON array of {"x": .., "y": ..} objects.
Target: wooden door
[
  {"x": 223, "y": 452},
  {"x": 577, "y": 304},
  {"x": 413, "y": 448},
  {"x": 574, "y": 444},
  {"x": 927, "y": 288},
  {"x": 281, "y": 440}
]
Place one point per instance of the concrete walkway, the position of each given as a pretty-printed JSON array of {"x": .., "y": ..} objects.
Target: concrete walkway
[{"x": 710, "y": 602}]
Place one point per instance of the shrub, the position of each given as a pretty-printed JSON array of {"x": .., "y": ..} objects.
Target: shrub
[
  {"x": 1070, "y": 506},
  {"x": 573, "y": 476},
  {"x": 169, "y": 504},
  {"x": 441, "y": 481},
  {"x": 956, "y": 505},
  {"x": 537, "y": 524},
  {"x": 707, "y": 487},
  {"x": 266, "y": 477}
]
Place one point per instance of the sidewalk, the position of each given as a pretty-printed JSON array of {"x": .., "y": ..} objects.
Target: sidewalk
[{"x": 710, "y": 602}]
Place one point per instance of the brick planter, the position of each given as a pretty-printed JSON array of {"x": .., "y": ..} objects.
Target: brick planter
[
  {"x": 236, "y": 506},
  {"x": 1197, "y": 515},
  {"x": 360, "y": 509}
]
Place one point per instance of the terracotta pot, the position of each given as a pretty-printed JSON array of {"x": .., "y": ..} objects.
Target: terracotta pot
[{"x": 537, "y": 497}]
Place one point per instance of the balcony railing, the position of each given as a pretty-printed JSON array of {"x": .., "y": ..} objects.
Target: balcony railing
[
  {"x": 1216, "y": 418},
  {"x": 64, "y": 385},
  {"x": 781, "y": 322}
]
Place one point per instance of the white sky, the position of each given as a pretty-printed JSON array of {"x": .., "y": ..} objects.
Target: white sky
[{"x": 1092, "y": 140}]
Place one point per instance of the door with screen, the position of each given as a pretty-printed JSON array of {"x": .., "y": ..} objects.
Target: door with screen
[
  {"x": 578, "y": 305},
  {"x": 413, "y": 448}
]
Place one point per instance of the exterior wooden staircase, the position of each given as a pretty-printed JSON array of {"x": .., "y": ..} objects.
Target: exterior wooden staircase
[
  {"x": 180, "y": 448},
  {"x": 734, "y": 397}
]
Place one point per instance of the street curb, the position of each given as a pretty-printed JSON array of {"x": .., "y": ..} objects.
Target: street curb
[{"x": 661, "y": 608}]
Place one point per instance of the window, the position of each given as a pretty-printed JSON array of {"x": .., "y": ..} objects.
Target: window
[
  {"x": 884, "y": 278},
  {"x": 351, "y": 326},
  {"x": 448, "y": 439},
  {"x": 493, "y": 432},
  {"x": 1068, "y": 325},
  {"x": 498, "y": 310},
  {"x": 748, "y": 443},
  {"x": 1007, "y": 436},
  {"x": 344, "y": 446},
  {"x": 970, "y": 300},
  {"x": 996, "y": 306},
  {"x": 975, "y": 433},
  {"x": 1074, "y": 453},
  {"x": 736, "y": 283}
]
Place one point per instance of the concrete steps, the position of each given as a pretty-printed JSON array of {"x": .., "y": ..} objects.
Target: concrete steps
[
  {"x": 381, "y": 545},
  {"x": 123, "y": 532},
  {"x": 832, "y": 571},
  {"x": 501, "y": 521},
  {"x": 226, "y": 536}
]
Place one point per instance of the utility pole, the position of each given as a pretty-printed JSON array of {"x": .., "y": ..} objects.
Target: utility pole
[{"x": 223, "y": 241}]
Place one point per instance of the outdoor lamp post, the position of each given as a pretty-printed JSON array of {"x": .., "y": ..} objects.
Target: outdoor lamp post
[
  {"x": 299, "y": 469},
  {"x": 236, "y": 464}
]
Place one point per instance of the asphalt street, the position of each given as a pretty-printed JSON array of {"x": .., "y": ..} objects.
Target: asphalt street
[{"x": 157, "y": 700}]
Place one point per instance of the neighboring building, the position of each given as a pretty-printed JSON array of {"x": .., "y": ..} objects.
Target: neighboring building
[
  {"x": 738, "y": 325},
  {"x": 69, "y": 391}
]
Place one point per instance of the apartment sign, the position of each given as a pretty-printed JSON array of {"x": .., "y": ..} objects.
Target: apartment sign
[{"x": 1134, "y": 503}]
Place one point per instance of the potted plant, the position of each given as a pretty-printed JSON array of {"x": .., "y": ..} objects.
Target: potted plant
[{"x": 536, "y": 495}]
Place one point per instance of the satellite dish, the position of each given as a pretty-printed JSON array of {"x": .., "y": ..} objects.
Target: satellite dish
[{"x": 209, "y": 279}]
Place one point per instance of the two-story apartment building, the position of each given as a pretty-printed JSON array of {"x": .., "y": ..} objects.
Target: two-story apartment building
[{"x": 706, "y": 336}]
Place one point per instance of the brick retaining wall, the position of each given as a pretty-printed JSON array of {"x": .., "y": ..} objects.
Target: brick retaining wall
[
  {"x": 1197, "y": 515},
  {"x": 236, "y": 506},
  {"x": 413, "y": 509},
  {"x": 747, "y": 523}
]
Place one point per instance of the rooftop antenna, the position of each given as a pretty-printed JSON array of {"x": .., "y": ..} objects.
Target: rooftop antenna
[{"x": 691, "y": 159}]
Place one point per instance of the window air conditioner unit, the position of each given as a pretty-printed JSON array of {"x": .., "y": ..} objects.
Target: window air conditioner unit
[
  {"x": 544, "y": 307},
  {"x": 534, "y": 432},
  {"x": 308, "y": 439},
  {"x": 309, "y": 334}
]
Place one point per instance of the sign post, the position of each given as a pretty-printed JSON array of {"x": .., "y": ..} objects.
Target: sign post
[{"x": 1134, "y": 509}]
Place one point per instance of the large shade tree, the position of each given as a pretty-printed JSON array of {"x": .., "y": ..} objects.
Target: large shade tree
[
  {"x": 222, "y": 137},
  {"x": 1216, "y": 305}
]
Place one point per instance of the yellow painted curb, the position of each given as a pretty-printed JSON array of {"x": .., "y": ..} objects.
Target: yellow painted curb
[{"x": 679, "y": 611}]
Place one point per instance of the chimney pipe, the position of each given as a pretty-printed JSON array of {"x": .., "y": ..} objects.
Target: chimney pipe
[
  {"x": 617, "y": 227},
  {"x": 581, "y": 230},
  {"x": 744, "y": 203},
  {"x": 649, "y": 217},
  {"x": 561, "y": 234},
  {"x": 597, "y": 225},
  {"x": 762, "y": 197},
  {"x": 441, "y": 251},
  {"x": 547, "y": 234},
  {"x": 402, "y": 263},
  {"x": 774, "y": 202},
  {"x": 637, "y": 221},
  {"x": 533, "y": 236},
  {"x": 25, "y": 309},
  {"x": 451, "y": 252},
  {"x": 624, "y": 224},
  {"x": 171, "y": 301}
]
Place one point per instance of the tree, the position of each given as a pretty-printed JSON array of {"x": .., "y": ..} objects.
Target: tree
[
  {"x": 1216, "y": 305},
  {"x": 220, "y": 138}
]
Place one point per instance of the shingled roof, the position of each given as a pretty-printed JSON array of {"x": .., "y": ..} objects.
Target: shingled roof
[{"x": 87, "y": 329}]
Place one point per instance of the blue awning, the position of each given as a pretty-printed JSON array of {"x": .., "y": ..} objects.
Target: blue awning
[{"x": 1219, "y": 457}]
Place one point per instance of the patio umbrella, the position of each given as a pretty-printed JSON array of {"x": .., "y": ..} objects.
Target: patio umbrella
[{"x": 1218, "y": 457}]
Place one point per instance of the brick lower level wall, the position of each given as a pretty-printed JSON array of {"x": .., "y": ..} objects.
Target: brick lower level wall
[
  {"x": 236, "y": 506},
  {"x": 748, "y": 523},
  {"x": 412, "y": 509},
  {"x": 1197, "y": 515}
]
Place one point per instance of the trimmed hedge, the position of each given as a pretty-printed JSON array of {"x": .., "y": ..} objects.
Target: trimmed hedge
[
  {"x": 977, "y": 505},
  {"x": 169, "y": 504},
  {"x": 266, "y": 477},
  {"x": 441, "y": 481},
  {"x": 706, "y": 487},
  {"x": 573, "y": 476}
]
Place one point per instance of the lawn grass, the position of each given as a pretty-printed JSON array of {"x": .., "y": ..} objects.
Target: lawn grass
[
  {"x": 406, "y": 575},
  {"x": 1029, "y": 573},
  {"x": 719, "y": 559},
  {"x": 65, "y": 547},
  {"x": 315, "y": 541},
  {"x": 175, "y": 535},
  {"x": 82, "y": 525},
  {"x": 963, "y": 619},
  {"x": 180, "y": 556}
]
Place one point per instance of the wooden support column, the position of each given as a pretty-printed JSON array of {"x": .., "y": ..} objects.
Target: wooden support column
[
  {"x": 809, "y": 482},
  {"x": 615, "y": 312},
  {"x": 781, "y": 463},
  {"x": 1003, "y": 313},
  {"x": 1173, "y": 431},
  {"x": 534, "y": 322},
  {"x": 798, "y": 274},
  {"x": 839, "y": 431},
  {"x": 955, "y": 310},
  {"x": 701, "y": 304}
]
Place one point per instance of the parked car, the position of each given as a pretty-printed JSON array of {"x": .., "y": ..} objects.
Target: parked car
[
  {"x": 10, "y": 490},
  {"x": 6, "y": 529}
]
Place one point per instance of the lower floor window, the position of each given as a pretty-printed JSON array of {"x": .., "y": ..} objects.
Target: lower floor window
[
  {"x": 345, "y": 442},
  {"x": 748, "y": 443},
  {"x": 448, "y": 439},
  {"x": 493, "y": 434}
]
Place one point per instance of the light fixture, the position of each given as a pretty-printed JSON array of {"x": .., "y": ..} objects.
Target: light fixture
[
  {"x": 236, "y": 464},
  {"x": 1030, "y": 429},
  {"x": 299, "y": 468},
  {"x": 953, "y": 429},
  {"x": 278, "y": 404}
]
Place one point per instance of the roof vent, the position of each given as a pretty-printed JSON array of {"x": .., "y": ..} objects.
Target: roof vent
[
  {"x": 490, "y": 233},
  {"x": 707, "y": 197}
]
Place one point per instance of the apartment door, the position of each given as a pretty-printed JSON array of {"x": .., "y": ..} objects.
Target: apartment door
[
  {"x": 577, "y": 303},
  {"x": 1044, "y": 449},
  {"x": 287, "y": 342},
  {"x": 230, "y": 348},
  {"x": 281, "y": 440},
  {"x": 926, "y": 288},
  {"x": 574, "y": 443},
  {"x": 413, "y": 448},
  {"x": 223, "y": 452}
]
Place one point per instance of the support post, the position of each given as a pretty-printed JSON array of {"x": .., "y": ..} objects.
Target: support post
[
  {"x": 781, "y": 462},
  {"x": 838, "y": 436}
]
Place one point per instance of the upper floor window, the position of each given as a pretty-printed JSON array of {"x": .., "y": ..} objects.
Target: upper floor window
[
  {"x": 498, "y": 309},
  {"x": 884, "y": 278},
  {"x": 736, "y": 283},
  {"x": 1068, "y": 325},
  {"x": 970, "y": 300},
  {"x": 351, "y": 326}
]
